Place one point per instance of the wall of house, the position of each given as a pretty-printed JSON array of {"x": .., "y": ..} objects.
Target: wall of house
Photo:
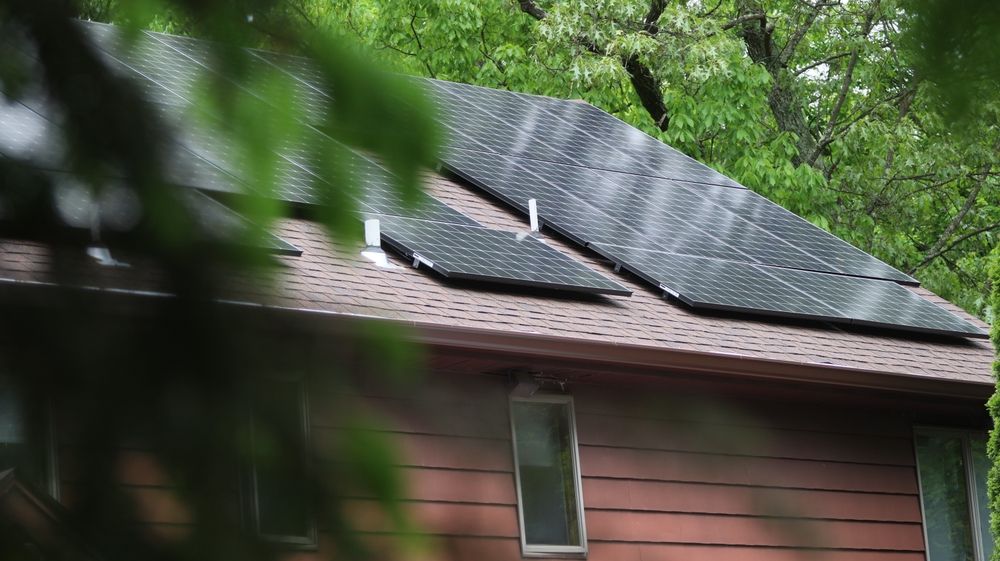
[
  {"x": 667, "y": 475},
  {"x": 685, "y": 477}
]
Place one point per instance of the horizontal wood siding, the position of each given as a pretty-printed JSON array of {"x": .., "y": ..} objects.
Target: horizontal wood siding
[{"x": 665, "y": 478}]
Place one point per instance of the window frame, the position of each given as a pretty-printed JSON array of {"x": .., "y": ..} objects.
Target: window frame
[
  {"x": 46, "y": 446},
  {"x": 535, "y": 550},
  {"x": 249, "y": 493},
  {"x": 972, "y": 497}
]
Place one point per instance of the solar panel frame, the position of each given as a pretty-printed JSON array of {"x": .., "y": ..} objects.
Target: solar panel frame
[
  {"x": 779, "y": 292},
  {"x": 483, "y": 254}
]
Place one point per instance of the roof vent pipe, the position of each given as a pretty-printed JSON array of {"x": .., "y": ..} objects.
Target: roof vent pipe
[
  {"x": 373, "y": 245},
  {"x": 533, "y": 214}
]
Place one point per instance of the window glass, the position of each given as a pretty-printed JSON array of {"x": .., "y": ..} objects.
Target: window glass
[
  {"x": 546, "y": 473},
  {"x": 945, "y": 497},
  {"x": 15, "y": 450},
  {"x": 279, "y": 457},
  {"x": 981, "y": 469}
]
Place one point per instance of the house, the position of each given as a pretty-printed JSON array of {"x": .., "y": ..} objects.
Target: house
[{"x": 597, "y": 411}]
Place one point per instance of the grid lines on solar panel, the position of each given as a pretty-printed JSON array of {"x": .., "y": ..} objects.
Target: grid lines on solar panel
[
  {"x": 297, "y": 175},
  {"x": 150, "y": 60},
  {"x": 876, "y": 302},
  {"x": 460, "y": 251},
  {"x": 505, "y": 179},
  {"x": 306, "y": 101},
  {"x": 619, "y": 209},
  {"x": 567, "y": 132},
  {"x": 29, "y": 137},
  {"x": 727, "y": 285},
  {"x": 713, "y": 283},
  {"x": 220, "y": 221},
  {"x": 836, "y": 254},
  {"x": 666, "y": 215},
  {"x": 307, "y": 81}
]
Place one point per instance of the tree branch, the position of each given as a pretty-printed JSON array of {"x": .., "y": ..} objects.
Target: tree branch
[
  {"x": 970, "y": 234},
  {"x": 826, "y": 60},
  {"x": 800, "y": 32},
  {"x": 647, "y": 86},
  {"x": 656, "y": 8},
  {"x": 942, "y": 244},
  {"x": 529, "y": 7},
  {"x": 845, "y": 87},
  {"x": 743, "y": 19},
  {"x": 644, "y": 82}
]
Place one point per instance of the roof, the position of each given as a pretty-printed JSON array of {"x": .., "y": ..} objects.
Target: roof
[{"x": 334, "y": 278}]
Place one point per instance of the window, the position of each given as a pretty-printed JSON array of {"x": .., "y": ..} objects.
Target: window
[
  {"x": 952, "y": 466},
  {"x": 550, "y": 503},
  {"x": 277, "y": 499},
  {"x": 32, "y": 455}
]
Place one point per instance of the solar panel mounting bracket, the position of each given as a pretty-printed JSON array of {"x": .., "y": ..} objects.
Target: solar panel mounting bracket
[
  {"x": 667, "y": 290},
  {"x": 418, "y": 259}
]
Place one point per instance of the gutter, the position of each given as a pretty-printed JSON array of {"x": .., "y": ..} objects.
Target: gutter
[{"x": 539, "y": 350}]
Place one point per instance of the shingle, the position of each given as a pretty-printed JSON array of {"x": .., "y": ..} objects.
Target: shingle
[{"x": 333, "y": 277}]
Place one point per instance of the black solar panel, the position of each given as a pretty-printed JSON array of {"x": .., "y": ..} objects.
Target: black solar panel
[
  {"x": 727, "y": 285},
  {"x": 467, "y": 252},
  {"x": 29, "y": 137},
  {"x": 297, "y": 174},
  {"x": 567, "y": 132},
  {"x": 835, "y": 254},
  {"x": 80, "y": 208},
  {"x": 596, "y": 206},
  {"x": 219, "y": 221}
]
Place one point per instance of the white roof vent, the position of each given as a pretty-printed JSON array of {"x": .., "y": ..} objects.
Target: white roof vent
[{"x": 373, "y": 245}]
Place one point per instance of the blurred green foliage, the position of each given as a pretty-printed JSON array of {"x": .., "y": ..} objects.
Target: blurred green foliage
[
  {"x": 993, "y": 447},
  {"x": 175, "y": 377}
]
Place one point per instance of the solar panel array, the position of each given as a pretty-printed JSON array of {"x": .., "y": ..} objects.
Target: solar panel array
[
  {"x": 168, "y": 70},
  {"x": 650, "y": 209},
  {"x": 670, "y": 220}
]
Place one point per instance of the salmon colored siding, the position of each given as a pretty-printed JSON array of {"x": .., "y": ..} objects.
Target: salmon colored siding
[
  {"x": 664, "y": 478},
  {"x": 747, "y": 480}
]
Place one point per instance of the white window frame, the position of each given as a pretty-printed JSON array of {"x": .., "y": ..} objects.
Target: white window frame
[
  {"x": 310, "y": 541},
  {"x": 970, "y": 484},
  {"x": 535, "y": 550}
]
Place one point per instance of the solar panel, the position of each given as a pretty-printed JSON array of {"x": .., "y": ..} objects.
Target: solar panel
[
  {"x": 297, "y": 174},
  {"x": 597, "y": 206},
  {"x": 877, "y": 302},
  {"x": 80, "y": 208},
  {"x": 833, "y": 252},
  {"x": 726, "y": 285},
  {"x": 29, "y": 137},
  {"x": 224, "y": 224},
  {"x": 558, "y": 131},
  {"x": 467, "y": 252}
]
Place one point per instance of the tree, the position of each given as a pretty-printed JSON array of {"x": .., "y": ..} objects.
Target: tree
[
  {"x": 176, "y": 374},
  {"x": 820, "y": 105}
]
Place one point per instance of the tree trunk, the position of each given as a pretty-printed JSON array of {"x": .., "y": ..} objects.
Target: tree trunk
[{"x": 757, "y": 34}]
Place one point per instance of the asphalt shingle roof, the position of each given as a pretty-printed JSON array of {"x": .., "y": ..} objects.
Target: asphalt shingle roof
[{"x": 333, "y": 277}]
